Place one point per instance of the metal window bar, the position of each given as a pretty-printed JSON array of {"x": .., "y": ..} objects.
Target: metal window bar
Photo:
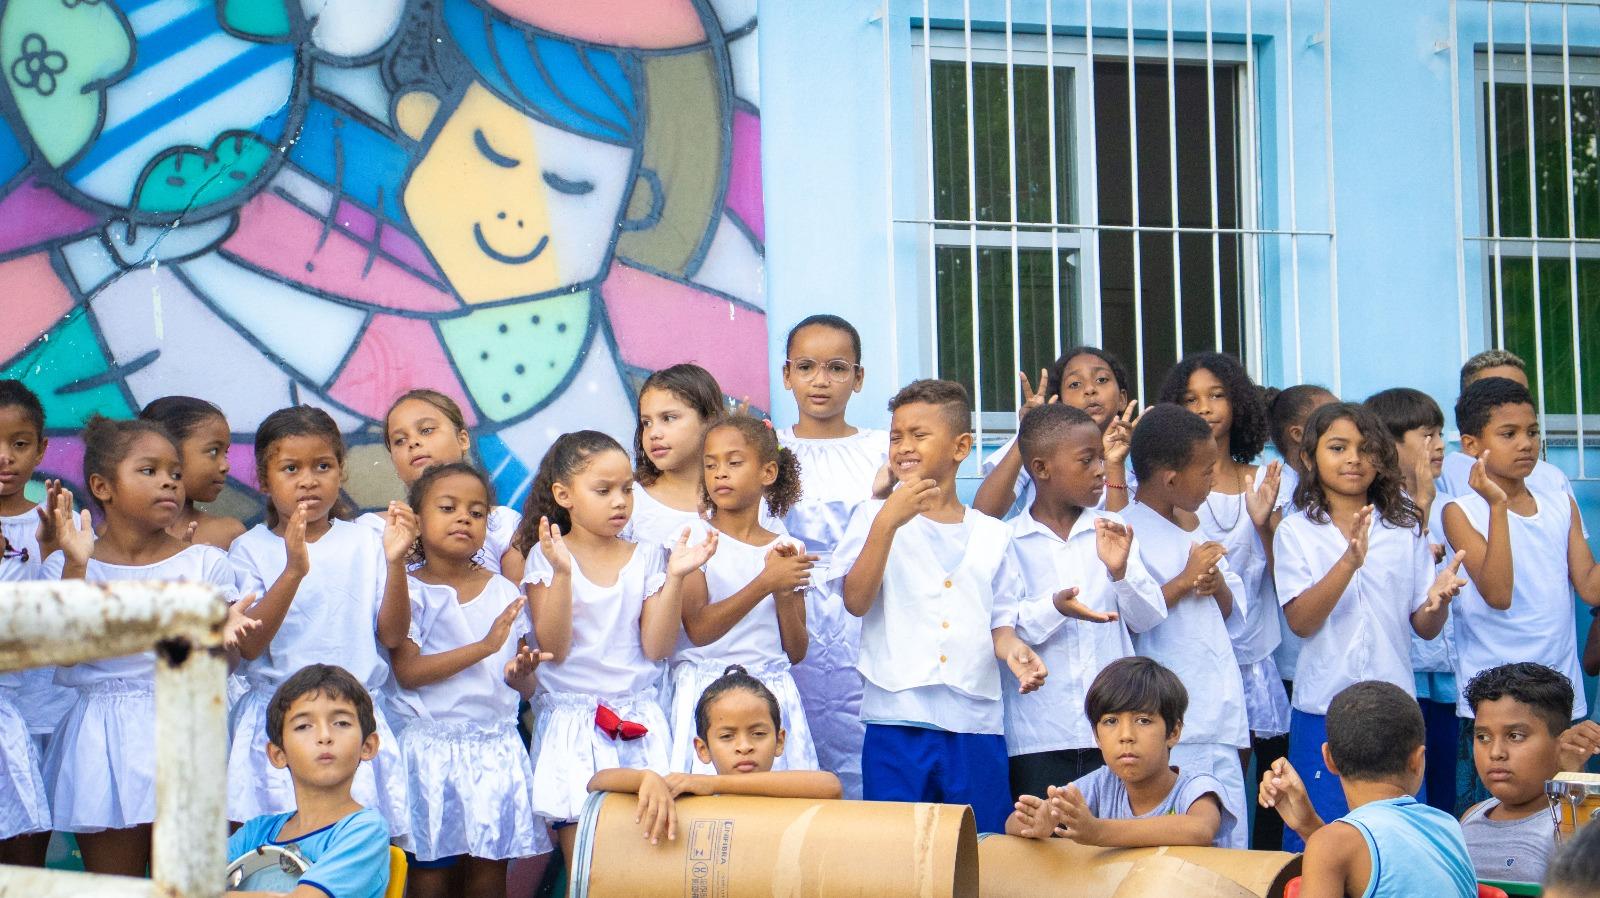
[{"x": 69, "y": 622}]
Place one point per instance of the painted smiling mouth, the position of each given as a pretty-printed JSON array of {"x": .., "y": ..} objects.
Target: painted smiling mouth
[{"x": 503, "y": 258}]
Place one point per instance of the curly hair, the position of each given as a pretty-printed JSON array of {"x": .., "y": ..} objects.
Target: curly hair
[
  {"x": 1247, "y": 434},
  {"x": 567, "y": 457},
  {"x": 1386, "y": 494},
  {"x": 417, "y": 495},
  {"x": 782, "y": 493},
  {"x": 1052, "y": 384},
  {"x": 1546, "y": 692},
  {"x": 690, "y": 383}
]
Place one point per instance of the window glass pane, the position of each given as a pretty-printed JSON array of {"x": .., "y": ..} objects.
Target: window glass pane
[
  {"x": 991, "y": 169},
  {"x": 1549, "y": 136},
  {"x": 1556, "y": 298}
]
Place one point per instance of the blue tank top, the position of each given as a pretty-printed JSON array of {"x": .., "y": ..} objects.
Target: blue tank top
[{"x": 1415, "y": 849}]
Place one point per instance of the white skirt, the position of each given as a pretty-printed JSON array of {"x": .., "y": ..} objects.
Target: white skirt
[
  {"x": 1265, "y": 703},
  {"x": 830, "y": 690},
  {"x": 101, "y": 770},
  {"x": 255, "y": 787},
  {"x": 568, "y": 749},
  {"x": 471, "y": 792},
  {"x": 690, "y": 679},
  {"x": 23, "y": 806}
]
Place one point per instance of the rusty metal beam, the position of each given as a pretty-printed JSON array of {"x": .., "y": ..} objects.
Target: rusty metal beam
[{"x": 69, "y": 621}]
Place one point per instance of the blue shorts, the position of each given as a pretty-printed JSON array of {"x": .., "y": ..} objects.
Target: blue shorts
[
  {"x": 1307, "y": 732},
  {"x": 907, "y": 763}
]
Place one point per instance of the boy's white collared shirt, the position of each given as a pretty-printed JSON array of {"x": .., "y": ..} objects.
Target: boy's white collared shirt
[{"x": 1074, "y": 651}]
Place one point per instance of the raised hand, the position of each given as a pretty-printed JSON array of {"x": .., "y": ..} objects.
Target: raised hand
[
  {"x": 1026, "y": 665},
  {"x": 1423, "y": 473},
  {"x": 554, "y": 547},
  {"x": 1201, "y": 568},
  {"x": 500, "y": 630},
  {"x": 1072, "y": 815},
  {"x": 298, "y": 557},
  {"x": 47, "y": 535},
  {"x": 1119, "y": 433},
  {"x": 1355, "y": 553},
  {"x": 1483, "y": 484},
  {"x": 1577, "y": 745},
  {"x": 883, "y": 482},
  {"x": 686, "y": 558},
  {"x": 1260, "y": 500},
  {"x": 1068, "y": 604},
  {"x": 1282, "y": 789},
  {"x": 74, "y": 533},
  {"x": 238, "y": 623},
  {"x": 525, "y": 662},
  {"x": 1113, "y": 542},
  {"x": 400, "y": 532},
  {"x": 1447, "y": 585},
  {"x": 1032, "y": 399},
  {"x": 909, "y": 500},
  {"x": 787, "y": 569}
]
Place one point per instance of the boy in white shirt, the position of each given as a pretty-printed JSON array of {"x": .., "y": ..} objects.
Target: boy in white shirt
[
  {"x": 1457, "y": 468},
  {"x": 1175, "y": 459},
  {"x": 937, "y": 589},
  {"x": 1077, "y": 562}
]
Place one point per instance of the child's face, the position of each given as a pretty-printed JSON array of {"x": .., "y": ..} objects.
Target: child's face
[
  {"x": 822, "y": 371},
  {"x": 1513, "y": 750},
  {"x": 454, "y": 517},
  {"x": 735, "y": 474},
  {"x": 322, "y": 741},
  {"x": 1190, "y": 485},
  {"x": 1074, "y": 471},
  {"x": 1087, "y": 382},
  {"x": 1512, "y": 438},
  {"x": 303, "y": 472},
  {"x": 1207, "y": 397},
  {"x": 21, "y": 448},
  {"x": 148, "y": 486},
  {"x": 600, "y": 497},
  {"x": 923, "y": 444},
  {"x": 205, "y": 459},
  {"x": 742, "y": 737},
  {"x": 1415, "y": 443},
  {"x": 420, "y": 436},
  {"x": 1297, "y": 431},
  {"x": 671, "y": 429},
  {"x": 1343, "y": 461},
  {"x": 1509, "y": 372},
  {"x": 1135, "y": 744}
]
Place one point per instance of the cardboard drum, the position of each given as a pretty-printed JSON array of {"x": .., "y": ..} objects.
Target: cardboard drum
[
  {"x": 729, "y": 846},
  {"x": 1027, "y": 868}
]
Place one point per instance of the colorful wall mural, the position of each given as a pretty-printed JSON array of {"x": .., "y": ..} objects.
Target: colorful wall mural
[{"x": 527, "y": 204}]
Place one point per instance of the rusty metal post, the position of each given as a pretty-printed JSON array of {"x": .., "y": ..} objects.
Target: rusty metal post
[{"x": 189, "y": 853}]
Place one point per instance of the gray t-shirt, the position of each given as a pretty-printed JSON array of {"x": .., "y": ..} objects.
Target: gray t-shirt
[
  {"x": 1508, "y": 850},
  {"x": 1107, "y": 798}
]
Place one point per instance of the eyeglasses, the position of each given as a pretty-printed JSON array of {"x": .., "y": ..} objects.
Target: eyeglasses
[{"x": 837, "y": 370}]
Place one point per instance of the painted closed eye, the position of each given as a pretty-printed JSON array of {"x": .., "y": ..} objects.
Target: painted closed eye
[
  {"x": 562, "y": 185},
  {"x": 489, "y": 152}
]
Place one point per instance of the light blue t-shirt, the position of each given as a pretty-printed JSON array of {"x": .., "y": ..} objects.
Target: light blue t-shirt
[
  {"x": 1415, "y": 849},
  {"x": 1107, "y": 798},
  {"x": 349, "y": 859}
]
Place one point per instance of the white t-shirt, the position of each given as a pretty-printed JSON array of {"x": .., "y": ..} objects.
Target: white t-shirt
[
  {"x": 501, "y": 527},
  {"x": 1226, "y": 519},
  {"x": 334, "y": 616},
  {"x": 835, "y": 476},
  {"x": 755, "y": 640},
  {"x": 1541, "y": 623},
  {"x": 440, "y": 622},
  {"x": 1074, "y": 651},
  {"x": 1457, "y": 470},
  {"x": 607, "y": 655},
  {"x": 1193, "y": 641},
  {"x": 655, "y": 523},
  {"x": 1367, "y": 636}
]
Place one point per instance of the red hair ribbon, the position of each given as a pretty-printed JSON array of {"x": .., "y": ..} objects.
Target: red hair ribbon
[{"x": 615, "y": 727}]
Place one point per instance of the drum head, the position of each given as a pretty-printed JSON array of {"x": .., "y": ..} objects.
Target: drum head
[{"x": 270, "y": 868}]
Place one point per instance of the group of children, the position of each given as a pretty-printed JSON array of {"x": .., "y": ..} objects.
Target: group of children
[{"x": 1133, "y": 607}]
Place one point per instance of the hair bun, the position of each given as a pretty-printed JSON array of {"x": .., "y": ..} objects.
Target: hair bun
[{"x": 735, "y": 669}]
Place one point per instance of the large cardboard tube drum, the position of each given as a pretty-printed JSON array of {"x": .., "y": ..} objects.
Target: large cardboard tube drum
[
  {"x": 730, "y": 846},
  {"x": 1057, "y": 868}
]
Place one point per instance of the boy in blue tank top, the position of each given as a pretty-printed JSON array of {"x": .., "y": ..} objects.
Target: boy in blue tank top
[{"x": 1389, "y": 845}]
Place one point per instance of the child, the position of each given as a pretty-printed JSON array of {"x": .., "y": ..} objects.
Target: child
[
  {"x": 426, "y": 428},
  {"x": 203, "y": 442},
  {"x": 738, "y": 733},
  {"x": 1575, "y": 871},
  {"x": 1287, "y": 411},
  {"x": 1524, "y": 544},
  {"x": 937, "y": 589},
  {"x": 330, "y": 590},
  {"x": 675, "y": 406},
  {"x": 465, "y": 660},
  {"x": 1355, "y": 578},
  {"x": 1174, "y": 457},
  {"x": 320, "y": 727},
  {"x": 1077, "y": 562},
  {"x": 1137, "y": 799},
  {"x": 608, "y": 611},
  {"x": 100, "y": 772},
  {"x": 1238, "y": 514},
  {"x": 841, "y": 466},
  {"x": 1388, "y": 845},
  {"x": 1456, "y": 474},
  {"x": 752, "y": 611},
  {"x": 1415, "y": 422},
  {"x": 1084, "y": 377}
]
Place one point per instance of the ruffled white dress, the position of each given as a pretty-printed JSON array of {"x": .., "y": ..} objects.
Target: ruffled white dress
[
  {"x": 836, "y": 476},
  {"x": 754, "y": 643},
  {"x": 606, "y": 665},
  {"x": 469, "y": 779},
  {"x": 41, "y": 702},
  {"x": 101, "y": 770},
  {"x": 332, "y": 620}
]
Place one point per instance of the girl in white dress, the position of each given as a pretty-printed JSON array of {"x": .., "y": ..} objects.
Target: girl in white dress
[
  {"x": 203, "y": 439},
  {"x": 608, "y": 611},
  {"x": 752, "y": 611},
  {"x": 332, "y": 592},
  {"x": 100, "y": 773},
  {"x": 465, "y": 662},
  {"x": 675, "y": 406},
  {"x": 425, "y": 428}
]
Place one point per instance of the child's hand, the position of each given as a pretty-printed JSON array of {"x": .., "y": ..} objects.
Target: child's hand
[
  {"x": 1026, "y": 665},
  {"x": 1446, "y": 586},
  {"x": 1423, "y": 472},
  {"x": 400, "y": 532},
  {"x": 1577, "y": 745},
  {"x": 298, "y": 562},
  {"x": 1073, "y": 817},
  {"x": 909, "y": 500},
  {"x": 883, "y": 482},
  {"x": 1201, "y": 568},
  {"x": 787, "y": 569},
  {"x": 1030, "y": 399},
  {"x": 554, "y": 547},
  {"x": 686, "y": 558},
  {"x": 1034, "y": 818},
  {"x": 1113, "y": 542},
  {"x": 1355, "y": 552},
  {"x": 1483, "y": 484},
  {"x": 658, "y": 812},
  {"x": 690, "y": 784},
  {"x": 74, "y": 533},
  {"x": 45, "y": 536},
  {"x": 1119, "y": 434},
  {"x": 523, "y": 664},
  {"x": 189, "y": 532},
  {"x": 237, "y": 623},
  {"x": 1067, "y": 603},
  {"x": 1262, "y": 499},
  {"x": 1282, "y": 789},
  {"x": 500, "y": 630}
]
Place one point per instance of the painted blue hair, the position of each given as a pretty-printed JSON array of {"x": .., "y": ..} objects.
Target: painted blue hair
[{"x": 579, "y": 88}]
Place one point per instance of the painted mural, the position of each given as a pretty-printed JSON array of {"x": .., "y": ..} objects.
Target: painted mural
[{"x": 526, "y": 204}]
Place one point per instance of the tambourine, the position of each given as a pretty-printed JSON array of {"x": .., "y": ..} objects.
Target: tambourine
[
  {"x": 269, "y": 868},
  {"x": 1574, "y": 800}
]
